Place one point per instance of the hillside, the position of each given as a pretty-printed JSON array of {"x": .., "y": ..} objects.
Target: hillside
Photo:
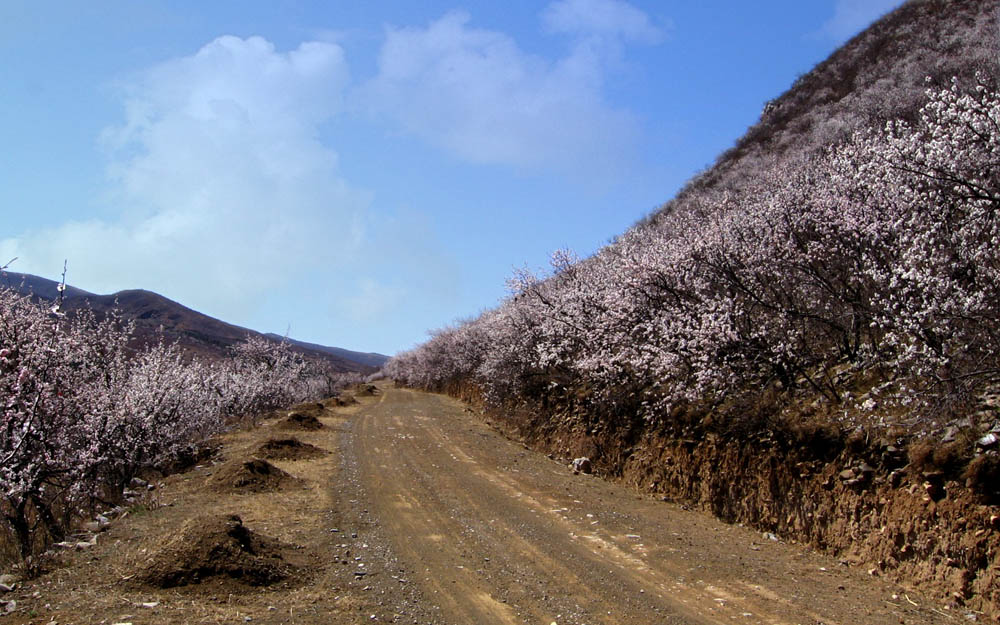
[
  {"x": 806, "y": 339},
  {"x": 881, "y": 74},
  {"x": 196, "y": 333},
  {"x": 370, "y": 359}
]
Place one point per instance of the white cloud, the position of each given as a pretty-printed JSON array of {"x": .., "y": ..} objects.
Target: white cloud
[
  {"x": 606, "y": 18},
  {"x": 852, "y": 16},
  {"x": 477, "y": 94},
  {"x": 221, "y": 189}
]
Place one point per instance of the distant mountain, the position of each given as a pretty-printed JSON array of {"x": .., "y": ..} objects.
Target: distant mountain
[
  {"x": 372, "y": 359},
  {"x": 156, "y": 316},
  {"x": 42, "y": 287}
]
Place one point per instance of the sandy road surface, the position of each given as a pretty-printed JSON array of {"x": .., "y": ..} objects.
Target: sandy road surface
[{"x": 489, "y": 532}]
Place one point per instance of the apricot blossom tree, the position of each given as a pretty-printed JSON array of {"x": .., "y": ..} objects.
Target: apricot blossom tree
[
  {"x": 84, "y": 410},
  {"x": 878, "y": 255}
]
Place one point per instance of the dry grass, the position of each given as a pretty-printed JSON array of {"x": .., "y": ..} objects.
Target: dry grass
[{"x": 104, "y": 582}]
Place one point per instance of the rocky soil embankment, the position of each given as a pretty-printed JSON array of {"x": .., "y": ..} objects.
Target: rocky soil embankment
[{"x": 869, "y": 504}]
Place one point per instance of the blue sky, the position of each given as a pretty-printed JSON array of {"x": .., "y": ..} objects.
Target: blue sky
[{"x": 359, "y": 173}]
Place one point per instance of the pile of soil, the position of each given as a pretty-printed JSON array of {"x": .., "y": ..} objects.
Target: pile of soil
[
  {"x": 309, "y": 407},
  {"x": 340, "y": 401},
  {"x": 190, "y": 456},
  {"x": 209, "y": 548},
  {"x": 302, "y": 421},
  {"x": 366, "y": 390},
  {"x": 289, "y": 449},
  {"x": 251, "y": 476}
]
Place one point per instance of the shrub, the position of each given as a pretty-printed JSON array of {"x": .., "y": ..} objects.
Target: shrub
[{"x": 84, "y": 411}]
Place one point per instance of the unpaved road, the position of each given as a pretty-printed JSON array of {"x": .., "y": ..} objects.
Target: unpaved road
[
  {"x": 422, "y": 514},
  {"x": 489, "y": 532}
]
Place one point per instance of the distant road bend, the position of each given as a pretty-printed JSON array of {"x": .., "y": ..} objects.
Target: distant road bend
[{"x": 490, "y": 532}]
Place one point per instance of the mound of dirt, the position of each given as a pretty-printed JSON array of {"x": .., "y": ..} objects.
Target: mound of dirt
[
  {"x": 340, "y": 401},
  {"x": 309, "y": 407},
  {"x": 366, "y": 390},
  {"x": 251, "y": 476},
  {"x": 190, "y": 456},
  {"x": 302, "y": 421},
  {"x": 209, "y": 548},
  {"x": 289, "y": 449}
]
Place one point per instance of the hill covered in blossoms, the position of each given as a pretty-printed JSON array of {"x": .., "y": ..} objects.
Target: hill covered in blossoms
[{"x": 807, "y": 338}]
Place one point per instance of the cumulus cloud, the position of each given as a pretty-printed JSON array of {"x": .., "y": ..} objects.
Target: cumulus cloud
[
  {"x": 220, "y": 192},
  {"x": 477, "y": 94},
  {"x": 220, "y": 187},
  {"x": 851, "y": 16}
]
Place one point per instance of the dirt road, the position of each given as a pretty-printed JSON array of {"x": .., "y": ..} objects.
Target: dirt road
[
  {"x": 406, "y": 508},
  {"x": 489, "y": 532}
]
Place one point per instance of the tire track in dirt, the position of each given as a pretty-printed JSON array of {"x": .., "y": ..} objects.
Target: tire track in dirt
[{"x": 497, "y": 534}]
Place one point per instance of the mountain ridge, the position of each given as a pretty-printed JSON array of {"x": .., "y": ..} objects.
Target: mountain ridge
[
  {"x": 157, "y": 316},
  {"x": 372, "y": 359}
]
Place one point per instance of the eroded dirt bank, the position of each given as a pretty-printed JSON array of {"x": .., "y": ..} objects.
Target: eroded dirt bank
[{"x": 917, "y": 528}]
